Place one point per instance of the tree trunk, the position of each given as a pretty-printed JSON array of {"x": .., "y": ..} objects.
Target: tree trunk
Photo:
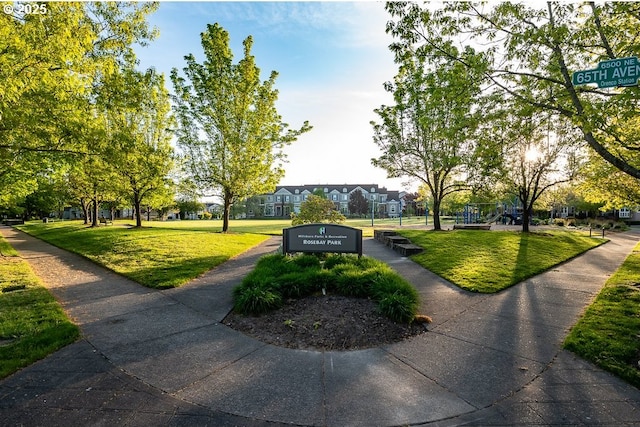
[
  {"x": 436, "y": 214},
  {"x": 94, "y": 219},
  {"x": 136, "y": 210},
  {"x": 85, "y": 210},
  {"x": 227, "y": 211}
]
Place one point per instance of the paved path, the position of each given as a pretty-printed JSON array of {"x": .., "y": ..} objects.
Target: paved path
[{"x": 151, "y": 357}]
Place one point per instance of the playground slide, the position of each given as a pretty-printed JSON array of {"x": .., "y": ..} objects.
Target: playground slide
[{"x": 494, "y": 219}]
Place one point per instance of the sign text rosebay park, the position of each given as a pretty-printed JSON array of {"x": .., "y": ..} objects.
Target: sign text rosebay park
[
  {"x": 331, "y": 238},
  {"x": 616, "y": 72}
]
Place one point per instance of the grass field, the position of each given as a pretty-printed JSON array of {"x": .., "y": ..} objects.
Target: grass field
[
  {"x": 608, "y": 333},
  {"x": 32, "y": 324},
  {"x": 487, "y": 262},
  {"x": 274, "y": 227},
  {"x": 157, "y": 257}
]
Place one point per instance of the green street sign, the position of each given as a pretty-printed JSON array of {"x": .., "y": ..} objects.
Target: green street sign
[{"x": 612, "y": 73}]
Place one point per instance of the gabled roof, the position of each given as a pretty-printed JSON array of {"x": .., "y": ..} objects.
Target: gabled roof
[{"x": 340, "y": 188}]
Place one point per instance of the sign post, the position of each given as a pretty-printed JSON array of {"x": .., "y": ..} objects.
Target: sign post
[
  {"x": 330, "y": 238},
  {"x": 612, "y": 73}
]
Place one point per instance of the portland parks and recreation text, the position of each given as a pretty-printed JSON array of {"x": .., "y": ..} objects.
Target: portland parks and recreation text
[
  {"x": 612, "y": 73},
  {"x": 322, "y": 238}
]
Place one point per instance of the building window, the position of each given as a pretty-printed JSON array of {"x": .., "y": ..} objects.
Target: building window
[
  {"x": 286, "y": 198},
  {"x": 296, "y": 198},
  {"x": 345, "y": 197},
  {"x": 278, "y": 199},
  {"x": 344, "y": 190},
  {"x": 297, "y": 191},
  {"x": 373, "y": 190},
  {"x": 334, "y": 197},
  {"x": 269, "y": 198}
]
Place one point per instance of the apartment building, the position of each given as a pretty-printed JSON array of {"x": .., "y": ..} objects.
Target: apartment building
[{"x": 287, "y": 199}]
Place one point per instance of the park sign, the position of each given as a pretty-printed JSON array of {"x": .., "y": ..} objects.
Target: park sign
[
  {"x": 330, "y": 238},
  {"x": 612, "y": 73}
]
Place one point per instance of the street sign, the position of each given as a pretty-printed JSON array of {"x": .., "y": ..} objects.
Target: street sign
[{"x": 612, "y": 73}]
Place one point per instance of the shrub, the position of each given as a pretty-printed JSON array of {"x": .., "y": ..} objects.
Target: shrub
[
  {"x": 295, "y": 285},
  {"x": 256, "y": 300},
  {"x": 335, "y": 259},
  {"x": 398, "y": 307},
  {"x": 353, "y": 283},
  {"x": 321, "y": 279},
  {"x": 278, "y": 277},
  {"x": 307, "y": 261}
]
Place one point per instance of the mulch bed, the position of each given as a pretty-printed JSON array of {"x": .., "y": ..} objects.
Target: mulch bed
[{"x": 325, "y": 322}]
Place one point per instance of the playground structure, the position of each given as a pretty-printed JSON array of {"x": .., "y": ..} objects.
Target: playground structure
[{"x": 506, "y": 213}]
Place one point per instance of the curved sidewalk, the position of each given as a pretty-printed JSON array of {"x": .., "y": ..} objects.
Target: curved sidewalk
[{"x": 151, "y": 357}]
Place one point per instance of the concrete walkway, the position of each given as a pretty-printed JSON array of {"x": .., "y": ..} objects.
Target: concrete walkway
[{"x": 151, "y": 357}]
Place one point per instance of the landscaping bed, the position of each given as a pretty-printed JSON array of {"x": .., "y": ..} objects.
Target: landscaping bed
[
  {"x": 319, "y": 322},
  {"x": 335, "y": 303}
]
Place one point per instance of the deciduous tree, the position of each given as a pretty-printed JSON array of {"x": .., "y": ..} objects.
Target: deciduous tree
[
  {"x": 229, "y": 129},
  {"x": 138, "y": 131},
  {"x": 49, "y": 62},
  {"x": 358, "y": 204},
  {"x": 317, "y": 209},
  {"x": 533, "y": 49},
  {"x": 429, "y": 134}
]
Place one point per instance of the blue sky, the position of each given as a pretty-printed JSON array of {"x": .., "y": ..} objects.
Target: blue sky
[{"x": 332, "y": 59}]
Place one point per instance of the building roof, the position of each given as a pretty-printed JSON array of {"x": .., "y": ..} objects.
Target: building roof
[{"x": 330, "y": 188}]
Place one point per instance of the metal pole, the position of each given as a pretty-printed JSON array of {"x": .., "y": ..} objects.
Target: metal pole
[{"x": 372, "y": 213}]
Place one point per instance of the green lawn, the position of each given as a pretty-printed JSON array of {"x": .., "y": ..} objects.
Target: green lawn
[
  {"x": 157, "y": 257},
  {"x": 608, "y": 333},
  {"x": 489, "y": 261},
  {"x": 274, "y": 226},
  {"x": 32, "y": 324}
]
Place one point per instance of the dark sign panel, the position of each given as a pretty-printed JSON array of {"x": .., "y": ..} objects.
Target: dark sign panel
[{"x": 322, "y": 238}]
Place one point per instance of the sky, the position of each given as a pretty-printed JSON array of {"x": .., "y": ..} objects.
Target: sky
[{"x": 332, "y": 59}]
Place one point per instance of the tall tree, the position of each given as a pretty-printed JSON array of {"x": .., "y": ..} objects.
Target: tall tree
[
  {"x": 539, "y": 153},
  {"x": 138, "y": 131},
  {"x": 428, "y": 135},
  {"x": 229, "y": 128},
  {"x": 533, "y": 50},
  {"x": 358, "y": 204},
  {"x": 49, "y": 62}
]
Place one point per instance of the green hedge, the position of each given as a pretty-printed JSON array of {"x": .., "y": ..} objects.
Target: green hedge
[{"x": 277, "y": 278}]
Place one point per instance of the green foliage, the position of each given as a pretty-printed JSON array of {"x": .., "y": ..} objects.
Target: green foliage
[
  {"x": 299, "y": 276},
  {"x": 49, "y": 66},
  {"x": 137, "y": 146},
  {"x": 32, "y": 324},
  {"x": 531, "y": 51},
  {"x": 229, "y": 127},
  {"x": 398, "y": 307},
  {"x": 488, "y": 262},
  {"x": 256, "y": 300},
  {"x": 430, "y": 133},
  {"x": 317, "y": 209},
  {"x": 607, "y": 334}
]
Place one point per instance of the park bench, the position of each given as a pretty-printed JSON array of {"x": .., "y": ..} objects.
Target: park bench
[
  {"x": 105, "y": 221},
  {"x": 472, "y": 226},
  {"x": 12, "y": 221}
]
